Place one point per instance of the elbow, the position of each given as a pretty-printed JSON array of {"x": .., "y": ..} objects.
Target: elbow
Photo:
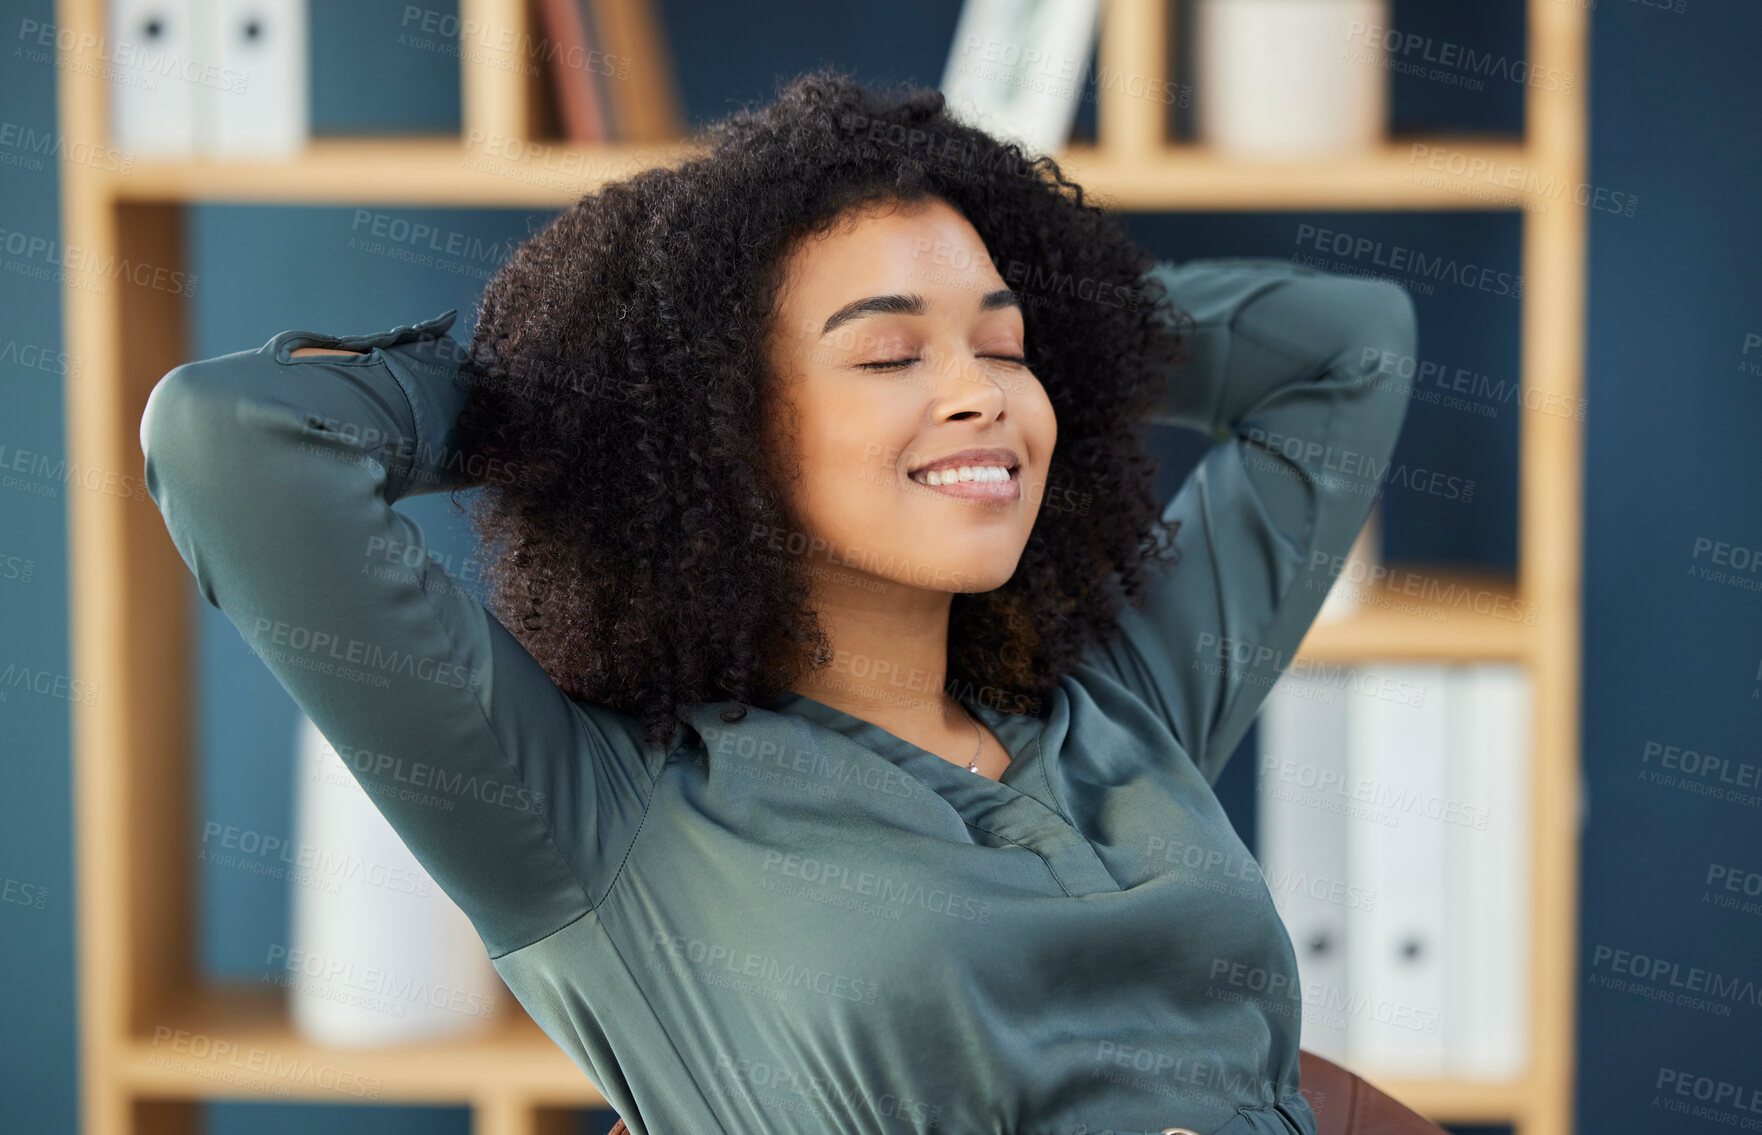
[
  {"x": 1393, "y": 335},
  {"x": 1395, "y": 323},
  {"x": 1373, "y": 329},
  {"x": 1354, "y": 325},
  {"x": 182, "y": 422},
  {"x": 1383, "y": 356},
  {"x": 165, "y": 406},
  {"x": 1379, "y": 327}
]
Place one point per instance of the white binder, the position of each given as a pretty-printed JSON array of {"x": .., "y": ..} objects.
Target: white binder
[
  {"x": 258, "y": 105},
  {"x": 1303, "y": 849},
  {"x": 216, "y": 79},
  {"x": 1486, "y": 1021},
  {"x": 380, "y": 955},
  {"x": 1397, "y": 843},
  {"x": 156, "y": 43}
]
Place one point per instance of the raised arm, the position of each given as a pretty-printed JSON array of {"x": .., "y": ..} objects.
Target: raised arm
[
  {"x": 1286, "y": 376},
  {"x": 276, "y": 476}
]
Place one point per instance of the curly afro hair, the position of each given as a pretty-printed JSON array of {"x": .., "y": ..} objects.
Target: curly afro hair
[{"x": 618, "y": 364}]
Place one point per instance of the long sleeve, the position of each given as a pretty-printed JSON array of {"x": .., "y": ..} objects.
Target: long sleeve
[
  {"x": 1285, "y": 375},
  {"x": 276, "y": 476}
]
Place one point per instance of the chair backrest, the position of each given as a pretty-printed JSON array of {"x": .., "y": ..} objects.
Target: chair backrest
[
  {"x": 1347, "y": 1104},
  {"x": 1344, "y": 1103}
]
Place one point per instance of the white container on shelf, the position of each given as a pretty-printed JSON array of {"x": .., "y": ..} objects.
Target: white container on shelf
[
  {"x": 379, "y": 955},
  {"x": 1291, "y": 78}
]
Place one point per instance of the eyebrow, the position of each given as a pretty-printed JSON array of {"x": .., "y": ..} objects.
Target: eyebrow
[{"x": 912, "y": 304}]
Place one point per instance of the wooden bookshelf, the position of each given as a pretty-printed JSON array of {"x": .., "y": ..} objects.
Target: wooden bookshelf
[{"x": 131, "y": 629}]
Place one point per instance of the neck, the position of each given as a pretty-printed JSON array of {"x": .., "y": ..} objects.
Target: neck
[{"x": 890, "y": 657}]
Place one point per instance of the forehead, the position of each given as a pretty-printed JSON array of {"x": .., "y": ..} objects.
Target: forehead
[
  {"x": 923, "y": 249},
  {"x": 888, "y": 247}
]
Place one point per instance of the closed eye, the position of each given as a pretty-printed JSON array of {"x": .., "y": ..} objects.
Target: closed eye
[{"x": 1017, "y": 359}]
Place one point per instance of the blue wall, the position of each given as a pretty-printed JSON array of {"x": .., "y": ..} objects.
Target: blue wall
[{"x": 1673, "y": 656}]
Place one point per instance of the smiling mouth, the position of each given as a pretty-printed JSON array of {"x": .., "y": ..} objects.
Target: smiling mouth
[{"x": 982, "y": 483}]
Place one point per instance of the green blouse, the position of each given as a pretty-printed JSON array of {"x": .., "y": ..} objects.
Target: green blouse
[{"x": 800, "y": 922}]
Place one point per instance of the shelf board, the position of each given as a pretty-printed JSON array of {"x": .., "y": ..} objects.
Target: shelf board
[
  {"x": 223, "y": 1041},
  {"x": 1394, "y": 176},
  {"x": 402, "y": 170},
  {"x": 446, "y": 170},
  {"x": 1419, "y": 613}
]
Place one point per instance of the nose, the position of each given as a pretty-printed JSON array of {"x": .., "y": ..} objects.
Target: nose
[{"x": 968, "y": 384}]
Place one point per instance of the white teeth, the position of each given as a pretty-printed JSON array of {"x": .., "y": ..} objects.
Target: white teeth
[{"x": 962, "y": 473}]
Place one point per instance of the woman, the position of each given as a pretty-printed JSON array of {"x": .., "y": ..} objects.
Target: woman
[{"x": 792, "y": 789}]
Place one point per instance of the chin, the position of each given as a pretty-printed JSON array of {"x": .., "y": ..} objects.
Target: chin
[{"x": 978, "y": 577}]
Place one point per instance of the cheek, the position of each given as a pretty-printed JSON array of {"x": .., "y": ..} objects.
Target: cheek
[
  {"x": 1041, "y": 423},
  {"x": 869, "y": 439},
  {"x": 850, "y": 469}
]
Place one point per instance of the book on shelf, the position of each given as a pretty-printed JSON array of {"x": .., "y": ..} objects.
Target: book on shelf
[
  {"x": 1018, "y": 68},
  {"x": 611, "y": 71},
  {"x": 569, "y": 44},
  {"x": 1394, "y": 838}
]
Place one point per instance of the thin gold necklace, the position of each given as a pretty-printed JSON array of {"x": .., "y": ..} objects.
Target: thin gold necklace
[{"x": 973, "y": 765}]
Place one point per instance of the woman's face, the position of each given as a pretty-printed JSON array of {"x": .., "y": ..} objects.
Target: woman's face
[{"x": 894, "y": 346}]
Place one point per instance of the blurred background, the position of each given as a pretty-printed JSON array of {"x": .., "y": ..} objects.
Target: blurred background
[{"x": 1639, "y": 1009}]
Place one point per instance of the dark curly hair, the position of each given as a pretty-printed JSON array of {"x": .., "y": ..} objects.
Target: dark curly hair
[{"x": 618, "y": 364}]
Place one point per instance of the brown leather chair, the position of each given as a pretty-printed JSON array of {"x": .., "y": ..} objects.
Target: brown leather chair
[
  {"x": 1347, "y": 1104},
  {"x": 1344, "y": 1103}
]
